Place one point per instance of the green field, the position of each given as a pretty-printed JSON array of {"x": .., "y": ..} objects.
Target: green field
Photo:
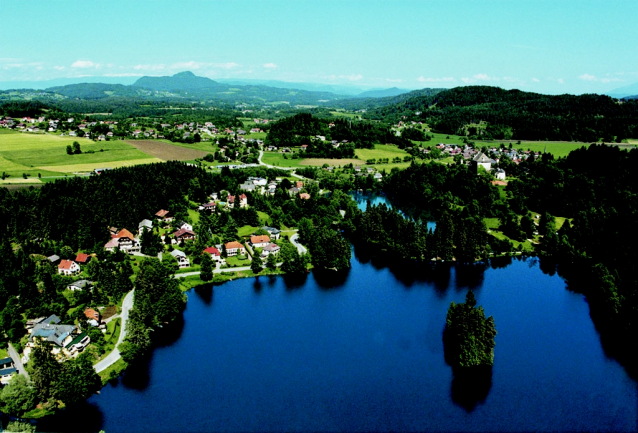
[
  {"x": 380, "y": 151},
  {"x": 209, "y": 146},
  {"x": 46, "y": 154},
  {"x": 277, "y": 158},
  {"x": 557, "y": 149}
]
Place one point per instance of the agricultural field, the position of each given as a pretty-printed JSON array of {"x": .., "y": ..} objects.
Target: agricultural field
[
  {"x": 380, "y": 151},
  {"x": 557, "y": 149},
  {"x": 277, "y": 158},
  {"x": 46, "y": 155},
  {"x": 318, "y": 162},
  {"x": 168, "y": 151}
]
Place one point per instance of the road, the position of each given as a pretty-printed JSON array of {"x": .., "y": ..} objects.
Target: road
[
  {"x": 295, "y": 241},
  {"x": 112, "y": 357},
  {"x": 17, "y": 361},
  {"x": 261, "y": 153},
  {"x": 216, "y": 271}
]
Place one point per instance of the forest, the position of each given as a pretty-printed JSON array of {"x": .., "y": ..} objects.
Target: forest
[{"x": 518, "y": 115}]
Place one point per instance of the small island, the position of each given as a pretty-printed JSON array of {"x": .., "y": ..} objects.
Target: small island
[{"x": 468, "y": 335}]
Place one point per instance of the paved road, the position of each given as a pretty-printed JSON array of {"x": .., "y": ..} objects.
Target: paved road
[
  {"x": 216, "y": 271},
  {"x": 110, "y": 359},
  {"x": 17, "y": 361},
  {"x": 295, "y": 241}
]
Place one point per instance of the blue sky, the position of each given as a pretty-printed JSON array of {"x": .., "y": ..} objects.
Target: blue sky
[{"x": 558, "y": 46}]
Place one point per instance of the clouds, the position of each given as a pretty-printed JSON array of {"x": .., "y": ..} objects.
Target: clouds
[
  {"x": 593, "y": 78},
  {"x": 423, "y": 79},
  {"x": 83, "y": 64},
  {"x": 270, "y": 66}
]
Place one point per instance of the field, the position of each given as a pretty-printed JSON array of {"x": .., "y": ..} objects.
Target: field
[
  {"x": 318, "y": 162},
  {"x": 171, "y": 152},
  {"x": 276, "y": 158},
  {"x": 380, "y": 151},
  {"x": 45, "y": 154}
]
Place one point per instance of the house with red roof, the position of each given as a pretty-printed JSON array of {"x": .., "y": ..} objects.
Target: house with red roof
[
  {"x": 215, "y": 254},
  {"x": 230, "y": 201},
  {"x": 68, "y": 267},
  {"x": 243, "y": 200},
  {"x": 82, "y": 258}
]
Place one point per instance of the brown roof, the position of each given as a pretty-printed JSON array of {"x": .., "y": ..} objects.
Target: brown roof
[
  {"x": 82, "y": 258},
  {"x": 259, "y": 239},
  {"x": 90, "y": 313},
  {"x": 231, "y": 199},
  {"x": 182, "y": 232},
  {"x": 299, "y": 184},
  {"x": 233, "y": 245},
  {"x": 124, "y": 234},
  {"x": 304, "y": 195},
  {"x": 161, "y": 213},
  {"x": 243, "y": 196},
  {"x": 65, "y": 264}
]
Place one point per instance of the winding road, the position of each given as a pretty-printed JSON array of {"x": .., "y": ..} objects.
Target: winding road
[{"x": 112, "y": 357}]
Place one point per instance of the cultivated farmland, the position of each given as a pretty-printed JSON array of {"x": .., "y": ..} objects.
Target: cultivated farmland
[{"x": 167, "y": 152}]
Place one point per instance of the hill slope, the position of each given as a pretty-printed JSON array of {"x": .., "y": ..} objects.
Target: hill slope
[{"x": 181, "y": 81}]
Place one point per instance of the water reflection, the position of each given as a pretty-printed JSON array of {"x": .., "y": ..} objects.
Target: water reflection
[
  {"x": 205, "y": 293},
  {"x": 83, "y": 417},
  {"x": 294, "y": 281},
  {"x": 471, "y": 386},
  {"x": 470, "y": 276},
  {"x": 329, "y": 279},
  {"x": 257, "y": 286}
]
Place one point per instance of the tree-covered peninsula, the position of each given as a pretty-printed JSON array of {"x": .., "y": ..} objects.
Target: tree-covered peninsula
[{"x": 468, "y": 335}]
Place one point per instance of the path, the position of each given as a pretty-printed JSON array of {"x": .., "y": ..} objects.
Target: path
[
  {"x": 112, "y": 357},
  {"x": 216, "y": 271},
  {"x": 17, "y": 361}
]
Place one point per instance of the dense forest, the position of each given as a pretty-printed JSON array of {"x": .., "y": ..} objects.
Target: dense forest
[{"x": 519, "y": 115}]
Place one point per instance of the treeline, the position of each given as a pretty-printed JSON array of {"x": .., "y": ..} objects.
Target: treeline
[
  {"x": 597, "y": 187},
  {"x": 519, "y": 115},
  {"x": 302, "y": 128}
]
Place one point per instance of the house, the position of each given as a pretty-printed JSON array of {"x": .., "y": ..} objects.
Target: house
[
  {"x": 243, "y": 201},
  {"x": 82, "y": 258},
  {"x": 184, "y": 235},
  {"x": 378, "y": 176},
  {"x": 247, "y": 186},
  {"x": 91, "y": 314},
  {"x": 270, "y": 249},
  {"x": 125, "y": 242},
  {"x": 304, "y": 196},
  {"x": 259, "y": 241},
  {"x": 182, "y": 260},
  {"x": 234, "y": 248},
  {"x": 183, "y": 225},
  {"x": 299, "y": 184},
  {"x": 208, "y": 207},
  {"x": 51, "y": 331},
  {"x": 111, "y": 245},
  {"x": 482, "y": 160},
  {"x": 7, "y": 370},
  {"x": 77, "y": 344},
  {"x": 79, "y": 285},
  {"x": 500, "y": 174},
  {"x": 230, "y": 200},
  {"x": 274, "y": 233},
  {"x": 215, "y": 254},
  {"x": 294, "y": 191},
  {"x": 145, "y": 224},
  {"x": 68, "y": 267},
  {"x": 164, "y": 215}
]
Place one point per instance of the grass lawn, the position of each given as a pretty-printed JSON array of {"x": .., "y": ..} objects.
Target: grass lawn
[
  {"x": 441, "y": 138},
  {"x": 492, "y": 223},
  {"x": 118, "y": 367},
  {"x": 246, "y": 231},
  {"x": 263, "y": 217},
  {"x": 236, "y": 261},
  {"x": 277, "y": 158},
  {"x": 4, "y": 353},
  {"x": 527, "y": 245},
  {"x": 557, "y": 149},
  {"x": 345, "y": 114},
  {"x": 194, "y": 215},
  {"x": 380, "y": 151}
]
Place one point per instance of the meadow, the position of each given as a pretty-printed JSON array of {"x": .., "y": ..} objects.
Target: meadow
[{"x": 46, "y": 155}]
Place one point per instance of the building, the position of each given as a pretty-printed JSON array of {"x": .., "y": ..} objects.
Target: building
[
  {"x": 482, "y": 160},
  {"x": 270, "y": 249},
  {"x": 181, "y": 258},
  {"x": 68, "y": 267},
  {"x": 500, "y": 174},
  {"x": 259, "y": 241},
  {"x": 79, "y": 285},
  {"x": 243, "y": 201},
  {"x": 184, "y": 235},
  {"x": 274, "y": 233},
  {"x": 7, "y": 370},
  {"x": 234, "y": 248},
  {"x": 215, "y": 254},
  {"x": 145, "y": 224}
]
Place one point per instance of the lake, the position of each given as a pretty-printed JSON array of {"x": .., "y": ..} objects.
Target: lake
[{"x": 363, "y": 351}]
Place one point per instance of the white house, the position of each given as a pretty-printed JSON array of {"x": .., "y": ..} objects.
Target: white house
[
  {"x": 234, "y": 248},
  {"x": 500, "y": 174},
  {"x": 182, "y": 260},
  {"x": 68, "y": 267},
  {"x": 259, "y": 241},
  {"x": 270, "y": 249},
  {"x": 483, "y": 160}
]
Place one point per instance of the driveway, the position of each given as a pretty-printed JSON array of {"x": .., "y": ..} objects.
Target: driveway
[
  {"x": 17, "y": 361},
  {"x": 112, "y": 357},
  {"x": 295, "y": 241}
]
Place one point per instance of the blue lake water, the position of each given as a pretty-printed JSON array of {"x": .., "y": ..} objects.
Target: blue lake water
[
  {"x": 363, "y": 351},
  {"x": 377, "y": 199}
]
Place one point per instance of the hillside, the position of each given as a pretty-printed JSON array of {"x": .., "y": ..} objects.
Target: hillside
[
  {"x": 494, "y": 113},
  {"x": 382, "y": 93},
  {"x": 178, "y": 82}
]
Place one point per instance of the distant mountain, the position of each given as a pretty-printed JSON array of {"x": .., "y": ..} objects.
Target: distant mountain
[
  {"x": 382, "y": 93},
  {"x": 311, "y": 87},
  {"x": 623, "y": 92},
  {"x": 631, "y": 97},
  {"x": 59, "y": 82},
  {"x": 93, "y": 90},
  {"x": 181, "y": 81}
]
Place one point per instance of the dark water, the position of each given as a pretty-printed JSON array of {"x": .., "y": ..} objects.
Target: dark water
[
  {"x": 363, "y": 351},
  {"x": 377, "y": 199}
]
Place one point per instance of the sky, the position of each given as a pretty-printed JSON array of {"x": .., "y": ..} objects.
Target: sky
[{"x": 554, "y": 47}]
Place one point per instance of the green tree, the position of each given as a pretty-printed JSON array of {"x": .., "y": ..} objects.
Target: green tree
[
  {"x": 271, "y": 261},
  {"x": 150, "y": 242},
  {"x": 207, "y": 268},
  {"x": 76, "y": 148},
  {"x": 78, "y": 380},
  {"x": 18, "y": 396},
  {"x": 69, "y": 150},
  {"x": 257, "y": 264},
  {"x": 46, "y": 372},
  {"x": 20, "y": 427}
]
